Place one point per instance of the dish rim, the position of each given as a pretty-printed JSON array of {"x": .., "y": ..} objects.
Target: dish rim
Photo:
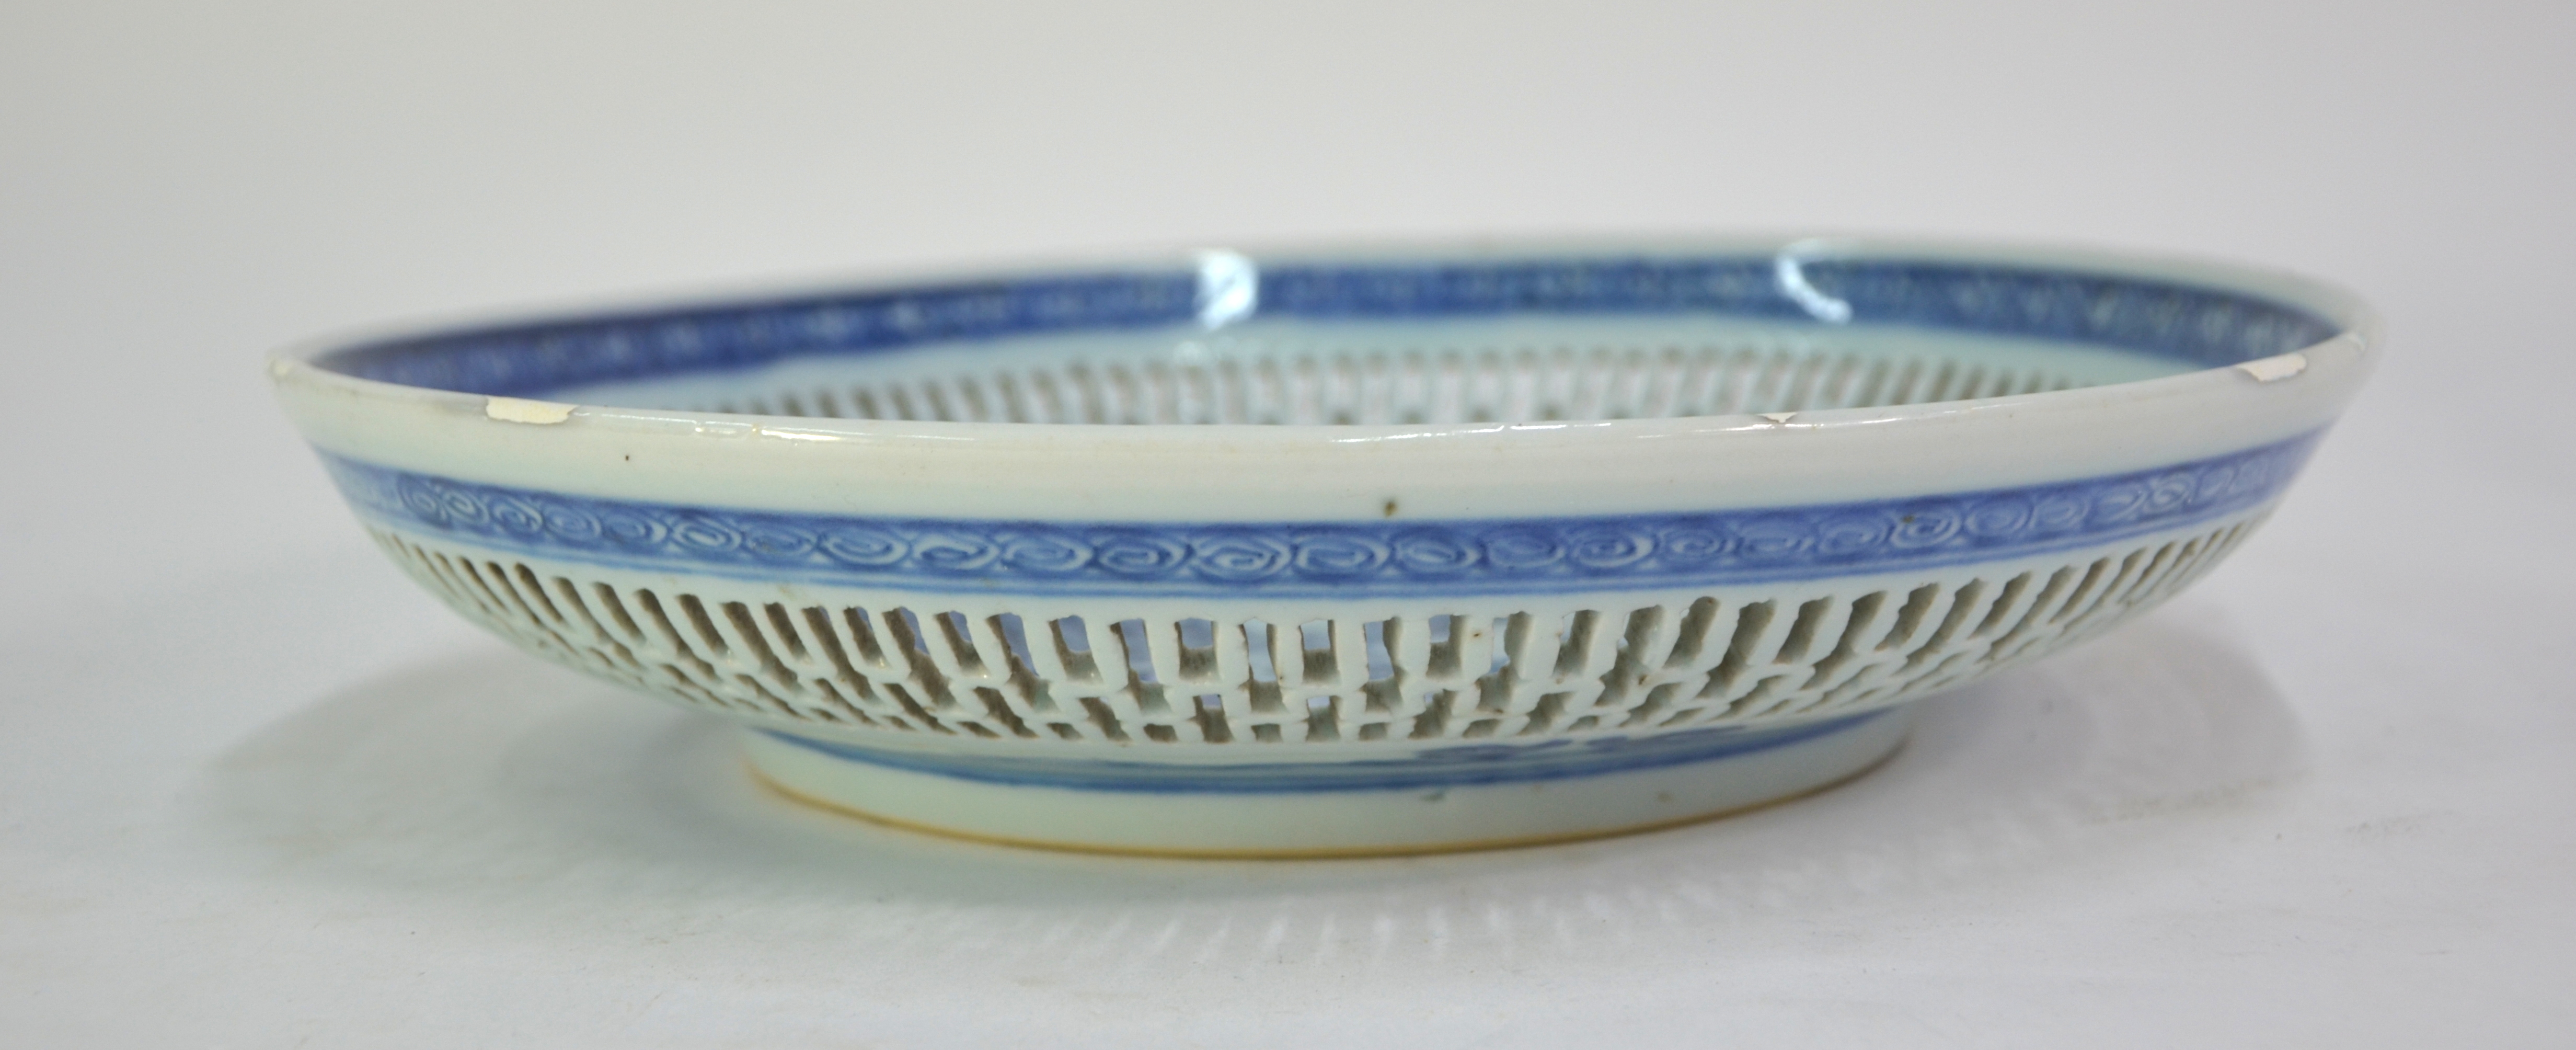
[
  {"x": 1283, "y": 472},
  {"x": 305, "y": 362}
]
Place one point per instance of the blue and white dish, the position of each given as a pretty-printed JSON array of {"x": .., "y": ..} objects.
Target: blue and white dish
[{"x": 1342, "y": 552}]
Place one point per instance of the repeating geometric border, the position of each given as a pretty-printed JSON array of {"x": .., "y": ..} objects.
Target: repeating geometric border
[
  {"x": 1327, "y": 559},
  {"x": 2202, "y": 326},
  {"x": 1438, "y": 767}
]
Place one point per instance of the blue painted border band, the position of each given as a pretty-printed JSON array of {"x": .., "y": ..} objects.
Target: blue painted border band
[
  {"x": 1442, "y": 767},
  {"x": 2199, "y": 325},
  {"x": 1328, "y": 559}
]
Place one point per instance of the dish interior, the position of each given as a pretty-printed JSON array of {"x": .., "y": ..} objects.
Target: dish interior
[
  {"x": 1235, "y": 341},
  {"x": 1293, "y": 372}
]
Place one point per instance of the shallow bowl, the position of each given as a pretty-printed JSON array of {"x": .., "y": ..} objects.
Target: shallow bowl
[{"x": 1342, "y": 552}]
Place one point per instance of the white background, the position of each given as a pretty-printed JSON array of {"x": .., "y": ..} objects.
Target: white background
[{"x": 255, "y": 791}]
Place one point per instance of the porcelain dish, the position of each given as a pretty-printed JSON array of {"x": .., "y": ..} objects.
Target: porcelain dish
[{"x": 1334, "y": 552}]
